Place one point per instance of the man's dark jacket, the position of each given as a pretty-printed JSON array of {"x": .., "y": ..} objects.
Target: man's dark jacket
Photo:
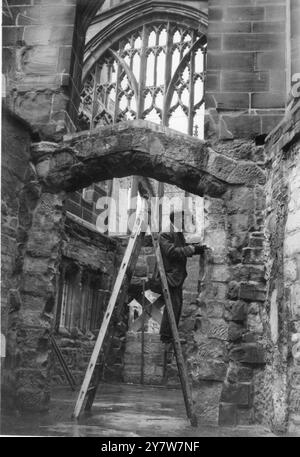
[{"x": 174, "y": 252}]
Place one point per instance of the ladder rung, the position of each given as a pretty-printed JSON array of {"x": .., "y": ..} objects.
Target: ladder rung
[{"x": 91, "y": 388}]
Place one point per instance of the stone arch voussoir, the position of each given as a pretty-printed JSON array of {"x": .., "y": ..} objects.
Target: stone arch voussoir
[{"x": 142, "y": 148}]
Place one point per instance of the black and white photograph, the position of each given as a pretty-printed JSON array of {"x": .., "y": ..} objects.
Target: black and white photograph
[{"x": 150, "y": 222}]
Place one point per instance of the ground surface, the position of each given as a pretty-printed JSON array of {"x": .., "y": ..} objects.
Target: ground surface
[{"x": 120, "y": 411}]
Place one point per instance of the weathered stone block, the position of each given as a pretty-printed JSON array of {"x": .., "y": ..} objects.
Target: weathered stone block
[
  {"x": 214, "y": 308},
  {"x": 230, "y": 27},
  {"x": 215, "y": 14},
  {"x": 235, "y": 310},
  {"x": 240, "y": 222},
  {"x": 209, "y": 348},
  {"x": 206, "y": 395},
  {"x": 247, "y": 272},
  {"x": 238, "y": 394},
  {"x": 269, "y": 100},
  {"x": 236, "y": 61},
  {"x": 237, "y": 373},
  {"x": 32, "y": 390},
  {"x": 248, "y": 353},
  {"x": 252, "y": 291},
  {"x": 244, "y": 81},
  {"x": 235, "y": 331},
  {"x": 270, "y": 60},
  {"x": 228, "y": 415},
  {"x": 245, "y": 13},
  {"x": 207, "y": 369},
  {"x": 233, "y": 290},
  {"x": 215, "y": 42},
  {"x": 275, "y": 12},
  {"x": 228, "y": 100},
  {"x": 242, "y": 126},
  {"x": 253, "y": 255},
  {"x": 252, "y": 42},
  {"x": 241, "y": 199},
  {"x": 220, "y": 273},
  {"x": 213, "y": 84},
  {"x": 215, "y": 328},
  {"x": 34, "y": 106}
]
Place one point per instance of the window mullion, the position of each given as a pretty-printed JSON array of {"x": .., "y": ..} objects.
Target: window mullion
[
  {"x": 143, "y": 73},
  {"x": 191, "y": 91},
  {"x": 168, "y": 74},
  {"x": 116, "y": 111},
  {"x": 94, "y": 103}
]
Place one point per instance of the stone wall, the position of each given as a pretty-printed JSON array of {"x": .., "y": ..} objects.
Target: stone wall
[
  {"x": 246, "y": 79},
  {"x": 37, "y": 42},
  {"x": 277, "y": 396},
  {"x": 43, "y": 46},
  {"x": 16, "y": 140}
]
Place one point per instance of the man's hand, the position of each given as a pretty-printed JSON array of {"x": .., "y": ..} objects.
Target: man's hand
[
  {"x": 199, "y": 248},
  {"x": 189, "y": 250}
]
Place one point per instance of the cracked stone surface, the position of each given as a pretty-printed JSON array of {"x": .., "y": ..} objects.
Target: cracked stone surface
[{"x": 143, "y": 148}]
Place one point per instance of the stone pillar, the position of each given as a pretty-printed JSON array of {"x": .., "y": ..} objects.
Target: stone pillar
[
  {"x": 207, "y": 353},
  {"x": 244, "y": 305},
  {"x": 32, "y": 305}
]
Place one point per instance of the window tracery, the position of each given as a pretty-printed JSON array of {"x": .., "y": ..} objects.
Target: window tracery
[{"x": 156, "y": 73}]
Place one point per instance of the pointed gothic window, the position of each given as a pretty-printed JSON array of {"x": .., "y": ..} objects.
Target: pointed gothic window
[
  {"x": 123, "y": 83},
  {"x": 155, "y": 73}
]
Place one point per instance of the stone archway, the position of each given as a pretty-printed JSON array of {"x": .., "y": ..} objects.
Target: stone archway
[
  {"x": 139, "y": 147},
  {"x": 149, "y": 150}
]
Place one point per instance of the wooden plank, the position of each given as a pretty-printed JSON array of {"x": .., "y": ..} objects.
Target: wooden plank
[{"x": 187, "y": 394}]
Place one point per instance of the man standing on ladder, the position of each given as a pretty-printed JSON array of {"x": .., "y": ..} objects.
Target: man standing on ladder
[{"x": 175, "y": 252}]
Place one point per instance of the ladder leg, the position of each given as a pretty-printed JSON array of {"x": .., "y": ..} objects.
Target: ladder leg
[
  {"x": 99, "y": 372},
  {"x": 187, "y": 394}
]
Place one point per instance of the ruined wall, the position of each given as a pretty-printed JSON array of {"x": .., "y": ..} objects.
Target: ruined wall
[
  {"x": 277, "y": 400},
  {"x": 86, "y": 252},
  {"x": 16, "y": 139},
  {"x": 246, "y": 79}
]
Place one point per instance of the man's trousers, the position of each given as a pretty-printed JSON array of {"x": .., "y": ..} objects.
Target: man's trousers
[{"x": 165, "y": 329}]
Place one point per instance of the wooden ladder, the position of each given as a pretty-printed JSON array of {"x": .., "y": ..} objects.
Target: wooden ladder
[{"x": 89, "y": 387}]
